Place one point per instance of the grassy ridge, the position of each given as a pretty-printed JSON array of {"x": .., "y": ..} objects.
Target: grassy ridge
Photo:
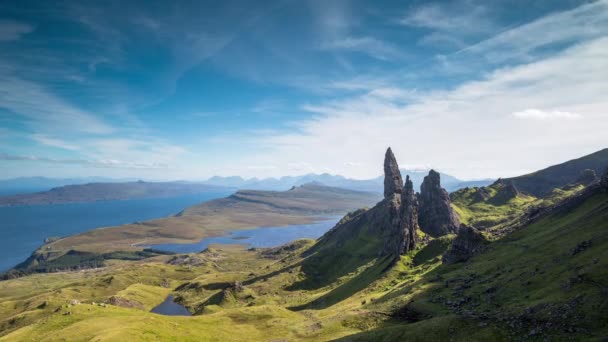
[{"x": 547, "y": 279}]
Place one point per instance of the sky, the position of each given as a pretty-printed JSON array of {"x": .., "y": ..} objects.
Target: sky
[{"x": 165, "y": 90}]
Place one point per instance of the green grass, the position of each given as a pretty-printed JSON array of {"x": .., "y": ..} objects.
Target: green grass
[{"x": 340, "y": 288}]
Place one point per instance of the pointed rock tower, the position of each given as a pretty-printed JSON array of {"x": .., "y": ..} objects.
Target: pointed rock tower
[
  {"x": 436, "y": 216},
  {"x": 388, "y": 229},
  {"x": 393, "y": 183},
  {"x": 409, "y": 216}
]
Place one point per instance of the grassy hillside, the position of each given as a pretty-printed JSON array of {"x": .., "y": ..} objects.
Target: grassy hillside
[
  {"x": 542, "y": 182},
  {"x": 548, "y": 279}
]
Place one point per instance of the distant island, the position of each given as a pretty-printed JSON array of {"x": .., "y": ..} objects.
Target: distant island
[{"x": 109, "y": 191}]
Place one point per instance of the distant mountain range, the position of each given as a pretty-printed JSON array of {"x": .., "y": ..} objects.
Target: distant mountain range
[
  {"x": 450, "y": 183},
  {"x": 49, "y": 190},
  {"x": 30, "y": 185}
]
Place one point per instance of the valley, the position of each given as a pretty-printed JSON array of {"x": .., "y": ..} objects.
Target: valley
[{"x": 517, "y": 267}]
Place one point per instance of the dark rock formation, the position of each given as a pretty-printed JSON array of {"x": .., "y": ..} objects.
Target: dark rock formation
[
  {"x": 391, "y": 224},
  {"x": 436, "y": 216},
  {"x": 604, "y": 181},
  {"x": 388, "y": 219},
  {"x": 505, "y": 191},
  {"x": 587, "y": 177},
  {"x": 468, "y": 242},
  {"x": 481, "y": 194},
  {"x": 393, "y": 183},
  {"x": 409, "y": 217}
]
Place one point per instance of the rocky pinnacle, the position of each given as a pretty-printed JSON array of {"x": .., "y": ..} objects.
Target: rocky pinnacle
[
  {"x": 393, "y": 183},
  {"x": 409, "y": 216},
  {"x": 436, "y": 216}
]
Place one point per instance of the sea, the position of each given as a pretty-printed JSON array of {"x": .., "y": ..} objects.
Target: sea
[{"x": 24, "y": 228}]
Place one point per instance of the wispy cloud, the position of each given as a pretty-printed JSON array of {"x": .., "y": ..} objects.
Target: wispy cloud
[
  {"x": 451, "y": 24},
  {"x": 585, "y": 22},
  {"x": 460, "y": 16},
  {"x": 53, "y": 142},
  {"x": 367, "y": 45},
  {"x": 108, "y": 163},
  {"x": 11, "y": 30},
  {"x": 450, "y": 129},
  {"x": 537, "y": 114},
  {"x": 44, "y": 111}
]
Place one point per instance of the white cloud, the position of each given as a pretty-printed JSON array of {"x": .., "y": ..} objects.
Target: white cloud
[
  {"x": 538, "y": 114},
  {"x": 11, "y": 30},
  {"x": 459, "y": 16},
  {"x": 53, "y": 142},
  {"x": 44, "y": 111},
  {"x": 368, "y": 45},
  {"x": 581, "y": 23},
  {"x": 454, "y": 130}
]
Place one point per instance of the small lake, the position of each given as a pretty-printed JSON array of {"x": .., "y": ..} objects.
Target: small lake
[
  {"x": 170, "y": 308},
  {"x": 261, "y": 237},
  {"x": 24, "y": 228}
]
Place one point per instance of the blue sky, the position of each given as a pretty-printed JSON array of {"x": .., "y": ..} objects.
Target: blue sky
[{"x": 187, "y": 90}]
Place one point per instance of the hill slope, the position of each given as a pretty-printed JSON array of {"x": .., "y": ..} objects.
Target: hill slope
[
  {"x": 547, "y": 280},
  {"x": 542, "y": 182}
]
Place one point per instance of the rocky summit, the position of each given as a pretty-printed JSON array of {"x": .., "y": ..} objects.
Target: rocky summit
[
  {"x": 396, "y": 219},
  {"x": 393, "y": 183},
  {"x": 436, "y": 216}
]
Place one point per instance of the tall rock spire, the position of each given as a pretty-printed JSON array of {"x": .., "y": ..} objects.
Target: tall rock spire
[
  {"x": 436, "y": 216},
  {"x": 409, "y": 216},
  {"x": 393, "y": 183}
]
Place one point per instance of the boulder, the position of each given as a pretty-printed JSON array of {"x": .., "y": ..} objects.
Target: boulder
[
  {"x": 124, "y": 302},
  {"x": 393, "y": 183},
  {"x": 436, "y": 216},
  {"x": 468, "y": 242}
]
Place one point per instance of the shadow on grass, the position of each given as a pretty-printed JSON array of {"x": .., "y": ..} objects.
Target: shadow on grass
[{"x": 350, "y": 287}]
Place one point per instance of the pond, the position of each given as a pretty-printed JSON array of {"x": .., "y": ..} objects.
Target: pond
[
  {"x": 261, "y": 237},
  {"x": 170, "y": 308}
]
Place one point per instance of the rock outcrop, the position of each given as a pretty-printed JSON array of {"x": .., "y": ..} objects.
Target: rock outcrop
[
  {"x": 604, "y": 181},
  {"x": 468, "y": 242},
  {"x": 587, "y": 177},
  {"x": 393, "y": 183},
  {"x": 436, "y": 216},
  {"x": 505, "y": 191},
  {"x": 125, "y": 303},
  {"x": 409, "y": 217}
]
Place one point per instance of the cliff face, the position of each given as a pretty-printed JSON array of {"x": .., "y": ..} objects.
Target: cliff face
[{"x": 436, "y": 216}]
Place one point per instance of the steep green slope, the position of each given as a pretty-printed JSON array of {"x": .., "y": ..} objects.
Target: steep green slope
[
  {"x": 542, "y": 182},
  {"x": 546, "y": 280}
]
